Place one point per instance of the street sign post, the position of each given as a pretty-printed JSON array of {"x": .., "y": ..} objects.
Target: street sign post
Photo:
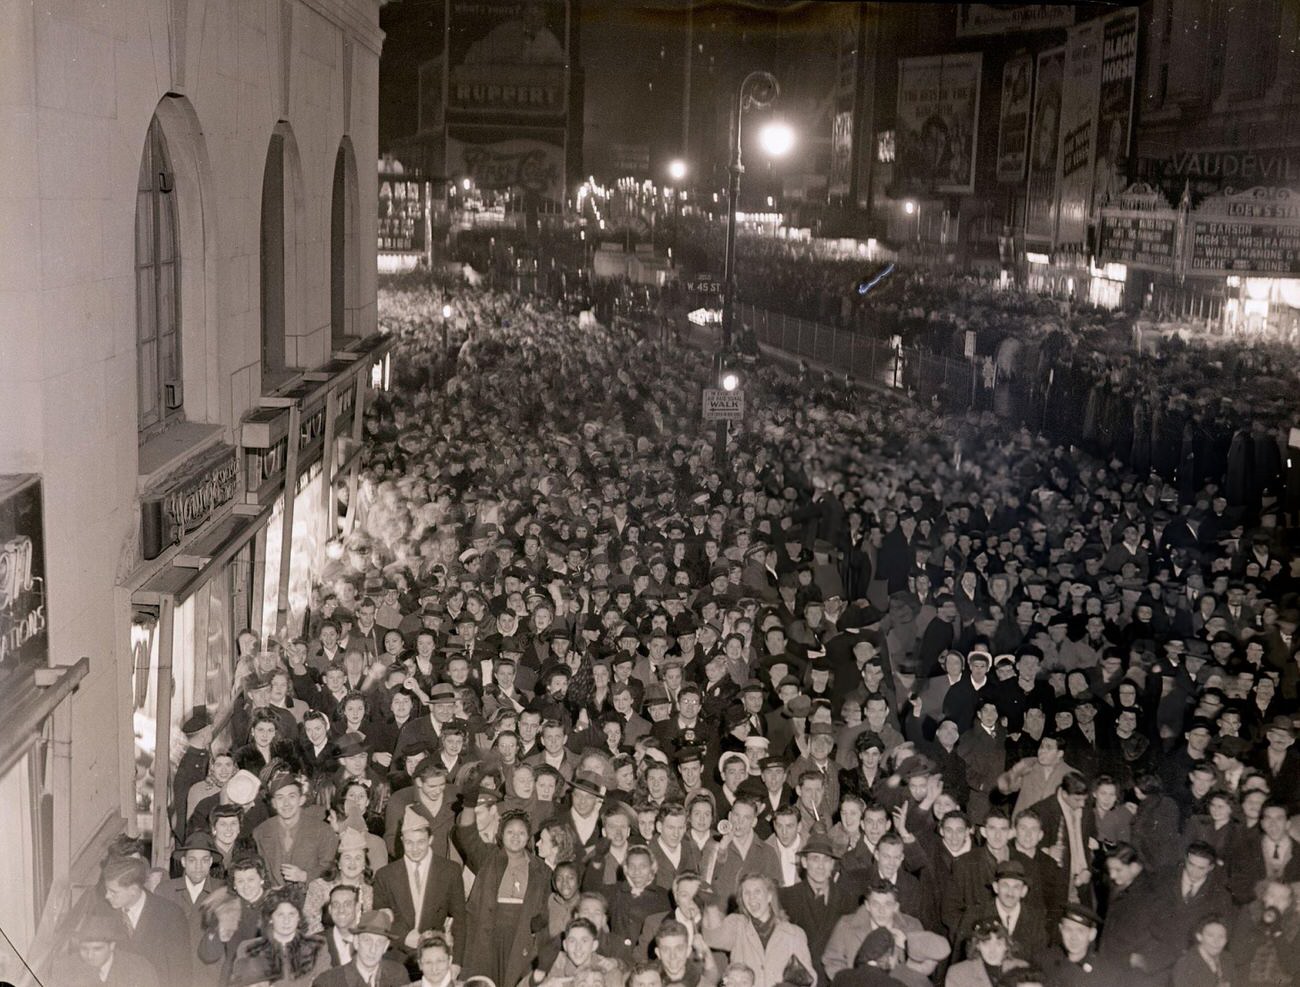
[{"x": 723, "y": 406}]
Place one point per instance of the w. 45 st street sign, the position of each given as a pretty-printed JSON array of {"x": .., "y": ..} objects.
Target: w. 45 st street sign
[{"x": 723, "y": 406}]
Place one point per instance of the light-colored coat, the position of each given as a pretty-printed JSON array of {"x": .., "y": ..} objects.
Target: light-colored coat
[{"x": 737, "y": 937}]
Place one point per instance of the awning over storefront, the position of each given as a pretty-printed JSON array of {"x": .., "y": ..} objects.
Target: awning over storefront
[{"x": 31, "y": 702}]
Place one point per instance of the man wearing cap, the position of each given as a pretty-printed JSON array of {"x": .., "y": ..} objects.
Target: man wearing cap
[
  {"x": 424, "y": 892},
  {"x": 1280, "y": 763},
  {"x": 872, "y": 962},
  {"x": 925, "y": 951},
  {"x": 442, "y": 709},
  {"x": 586, "y": 798},
  {"x": 195, "y": 884},
  {"x": 369, "y": 967},
  {"x": 296, "y": 845},
  {"x": 1073, "y": 961},
  {"x": 821, "y": 898},
  {"x": 100, "y": 960},
  {"x": 1026, "y": 931},
  {"x": 193, "y": 766}
]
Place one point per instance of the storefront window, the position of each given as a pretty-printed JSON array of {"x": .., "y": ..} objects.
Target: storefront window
[
  {"x": 309, "y": 523},
  {"x": 271, "y": 570}
]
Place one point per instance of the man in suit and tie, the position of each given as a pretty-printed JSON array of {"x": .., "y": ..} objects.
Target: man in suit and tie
[
  {"x": 152, "y": 927},
  {"x": 1266, "y": 852},
  {"x": 1280, "y": 763},
  {"x": 368, "y": 966},
  {"x": 190, "y": 890},
  {"x": 340, "y": 933},
  {"x": 821, "y": 898},
  {"x": 422, "y": 890},
  {"x": 1026, "y": 928}
]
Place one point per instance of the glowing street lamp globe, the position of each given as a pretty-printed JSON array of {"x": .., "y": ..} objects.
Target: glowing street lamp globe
[
  {"x": 776, "y": 139},
  {"x": 677, "y": 169},
  {"x": 730, "y": 381}
]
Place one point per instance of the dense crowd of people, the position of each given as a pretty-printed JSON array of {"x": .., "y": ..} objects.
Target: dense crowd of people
[{"x": 868, "y": 697}]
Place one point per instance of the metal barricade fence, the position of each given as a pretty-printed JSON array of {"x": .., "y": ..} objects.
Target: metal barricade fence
[{"x": 955, "y": 383}]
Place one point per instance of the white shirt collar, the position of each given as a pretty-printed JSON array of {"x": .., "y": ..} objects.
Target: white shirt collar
[{"x": 133, "y": 913}]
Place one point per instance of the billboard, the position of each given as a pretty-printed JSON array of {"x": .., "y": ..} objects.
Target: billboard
[
  {"x": 974, "y": 19},
  {"x": 1013, "y": 125},
  {"x": 507, "y": 59},
  {"x": 1256, "y": 232},
  {"x": 1040, "y": 204},
  {"x": 938, "y": 112},
  {"x": 402, "y": 202},
  {"x": 1078, "y": 132},
  {"x": 841, "y": 153},
  {"x": 1115, "y": 106},
  {"x": 529, "y": 164},
  {"x": 1146, "y": 239}
]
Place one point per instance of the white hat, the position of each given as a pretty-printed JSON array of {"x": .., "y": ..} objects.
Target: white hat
[{"x": 242, "y": 787}]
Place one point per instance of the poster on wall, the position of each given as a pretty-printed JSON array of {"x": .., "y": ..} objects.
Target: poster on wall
[
  {"x": 401, "y": 214},
  {"x": 24, "y": 620},
  {"x": 507, "y": 58},
  {"x": 1078, "y": 132},
  {"x": 1040, "y": 205},
  {"x": 1115, "y": 106},
  {"x": 975, "y": 19},
  {"x": 841, "y": 153},
  {"x": 527, "y": 164},
  {"x": 938, "y": 111},
  {"x": 1013, "y": 126}
]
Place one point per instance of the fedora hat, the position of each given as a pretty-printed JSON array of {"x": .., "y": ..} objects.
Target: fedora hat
[
  {"x": 819, "y": 842},
  {"x": 589, "y": 782},
  {"x": 196, "y": 841},
  {"x": 376, "y": 923}
]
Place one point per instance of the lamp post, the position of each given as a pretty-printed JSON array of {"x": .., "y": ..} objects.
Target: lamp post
[
  {"x": 757, "y": 90},
  {"x": 676, "y": 171}
]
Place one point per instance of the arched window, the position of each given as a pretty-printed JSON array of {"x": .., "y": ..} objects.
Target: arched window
[
  {"x": 345, "y": 248},
  {"x": 340, "y": 223},
  {"x": 157, "y": 289},
  {"x": 273, "y": 262}
]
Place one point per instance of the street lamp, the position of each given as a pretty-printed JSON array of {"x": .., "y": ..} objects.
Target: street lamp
[
  {"x": 677, "y": 169},
  {"x": 776, "y": 138},
  {"x": 757, "y": 90},
  {"x": 466, "y": 184}
]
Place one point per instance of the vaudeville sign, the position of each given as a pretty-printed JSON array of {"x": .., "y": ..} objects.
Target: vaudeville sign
[{"x": 24, "y": 620}]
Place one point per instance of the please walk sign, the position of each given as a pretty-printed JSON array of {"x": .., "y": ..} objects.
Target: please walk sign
[{"x": 723, "y": 406}]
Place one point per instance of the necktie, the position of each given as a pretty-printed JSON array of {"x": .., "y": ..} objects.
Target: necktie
[
  {"x": 1277, "y": 851},
  {"x": 419, "y": 894}
]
